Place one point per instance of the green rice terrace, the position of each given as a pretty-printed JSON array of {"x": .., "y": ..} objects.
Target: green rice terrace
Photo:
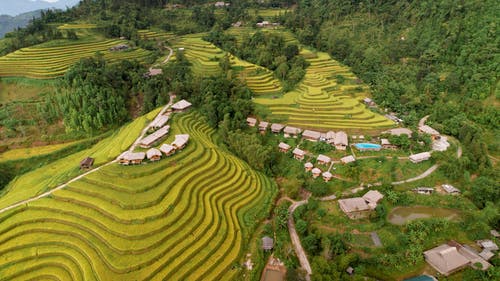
[
  {"x": 45, "y": 62},
  {"x": 187, "y": 217}
]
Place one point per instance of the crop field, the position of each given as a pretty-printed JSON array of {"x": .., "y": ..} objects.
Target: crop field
[
  {"x": 203, "y": 55},
  {"x": 24, "y": 153},
  {"x": 320, "y": 102},
  {"x": 186, "y": 217},
  {"x": 44, "y": 62},
  {"x": 77, "y": 26},
  {"x": 151, "y": 34}
]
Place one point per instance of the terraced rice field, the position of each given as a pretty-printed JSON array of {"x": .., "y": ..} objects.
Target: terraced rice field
[
  {"x": 150, "y": 34},
  {"x": 24, "y": 153},
  {"x": 318, "y": 102},
  {"x": 77, "y": 26},
  {"x": 50, "y": 62},
  {"x": 203, "y": 55},
  {"x": 186, "y": 217}
]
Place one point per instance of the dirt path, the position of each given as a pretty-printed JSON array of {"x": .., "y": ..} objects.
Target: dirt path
[
  {"x": 294, "y": 236},
  {"x": 425, "y": 174},
  {"x": 45, "y": 194},
  {"x": 171, "y": 52}
]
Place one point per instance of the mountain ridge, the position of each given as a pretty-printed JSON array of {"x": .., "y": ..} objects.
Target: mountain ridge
[{"x": 17, "y": 7}]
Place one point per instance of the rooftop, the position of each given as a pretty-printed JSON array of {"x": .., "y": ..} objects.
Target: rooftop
[{"x": 182, "y": 104}]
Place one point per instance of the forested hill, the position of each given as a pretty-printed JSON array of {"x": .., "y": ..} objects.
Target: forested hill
[{"x": 421, "y": 57}]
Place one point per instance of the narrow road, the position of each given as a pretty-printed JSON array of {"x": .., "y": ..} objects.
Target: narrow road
[
  {"x": 299, "y": 251},
  {"x": 45, "y": 194},
  {"x": 419, "y": 177},
  {"x": 171, "y": 52},
  {"x": 423, "y": 120}
]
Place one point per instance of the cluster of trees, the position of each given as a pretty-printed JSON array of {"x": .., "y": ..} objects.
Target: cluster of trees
[{"x": 265, "y": 49}]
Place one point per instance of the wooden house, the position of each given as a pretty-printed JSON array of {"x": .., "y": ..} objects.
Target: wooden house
[
  {"x": 311, "y": 135},
  {"x": 425, "y": 129},
  {"x": 323, "y": 159},
  {"x": 316, "y": 172},
  {"x": 308, "y": 166},
  {"x": 159, "y": 122},
  {"x": 181, "y": 106},
  {"x": 167, "y": 149},
  {"x": 180, "y": 141},
  {"x": 399, "y": 132},
  {"x": 267, "y": 243},
  {"x": 153, "y": 154},
  {"x": 340, "y": 142},
  {"x": 290, "y": 131},
  {"x": 263, "y": 126},
  {"x": 86, "y": 163},
  {"x": 347, "y": 159},
  {"x": 386, "y": 144},
  {"x": 277, "y": 128},
  {"x": 128, "y": 158},
  {"x": 327, "y": 176},
  {"x": 251, "y": 121},
  {"x": 298, "y": 154},
  {"x": 149, "y": 140},
  {"x": 284, "y": 147},
  {"x": 419, "y": 157}
]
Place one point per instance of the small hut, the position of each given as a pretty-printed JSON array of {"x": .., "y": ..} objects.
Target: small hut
[
  {"x": 298, "y": 154},
  {"x": 263, "y": 126},
  {"x": 277, "y": 128},
  {"x": 323, "y": 159},
  {"x": 308, "y": 166},
  {"x": 153, "y": 154},
  {"x": 180, "y": 141},
  {"x": 284, "y": 147},
  {"x": 267, "y": 243},
  {"x": 181, "y": 105},
  {"x": 167, "y": 149},
  {"x": 327, "y": 176},
  {"x": 86, "y": 163},
  {"x": 251, "y": 121},
  {"x": 316, "y": 172}
]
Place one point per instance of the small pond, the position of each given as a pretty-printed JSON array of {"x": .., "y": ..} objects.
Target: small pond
[{"x": 402, "y": 215}]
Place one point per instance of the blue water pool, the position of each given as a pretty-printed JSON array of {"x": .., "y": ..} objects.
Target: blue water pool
[{"x": 368, "y": 146}]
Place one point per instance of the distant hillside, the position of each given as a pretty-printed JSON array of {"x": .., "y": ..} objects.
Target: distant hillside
[
  {"x": 9, "y": 23},
  {"x": 16, "y": 7}
]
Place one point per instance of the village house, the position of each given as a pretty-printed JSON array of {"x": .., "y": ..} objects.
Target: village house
[
  {"x": 399, "y": 132},
  {"x": 330, "y": 137},
  {"x": 450, "y": 189},
  {"x": 347, "y": 159},
  {"x": 327, "y": 176},
  {"x": 153, "y": 154},
  {"x": 340, "y": 140},
  {"x": 277, "y": 128},
  {"x": 284, "y": 147},
  {"x": 323, "y": 159},
  {"x": 86, "y": 163},
  {"x": 446, "y": 259},
  {"x": 423, "y": 190},
  {"x": 220, "y": 4},
  {"x": 316, "y": 172},
  {"x": 308, "y": 166},
  {"x": 419, "y": 157},
  {"x": 181, "y": 106},
  {"x": 153, "y": 72},
  {"x": 311, "y": 135},
  {"x": 149, "y": 140},
  {"x": 359, "y": 207},
  {"x": 128, "y": 158},
  {"x": 251, "y": 121},
  {"x": 430, "y": 131},
  {"x": 386, "y": 144},
  {"x": 298, "y": 154},
  {"x": 180, "y": 141},
  {"x": 373, "y": 197},
  {"x": 368, "y": 102},
  {"x": 291, "y": 131},
  {"x": 267, "y": 243},
  {"x": 263, "y": 23},
  {"x": 263, "y": 126},
  {"x": 159, "y": 122},
  {"x": 440, "y": 144},
  {"x": 167, "y": 149}
]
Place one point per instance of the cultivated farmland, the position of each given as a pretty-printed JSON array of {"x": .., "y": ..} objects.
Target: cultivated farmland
[
  {"x": 45, "y": 62},
  {"x": 203, "y": 55},
  {"x": 186, "y": 217}
]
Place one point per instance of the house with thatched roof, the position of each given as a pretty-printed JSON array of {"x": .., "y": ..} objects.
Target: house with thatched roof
[
  {"x": 399, "y": 132},
  {"x": 311, "y": 135},
  {"x": 347, "y": 159},
  {"x": 386, "y": 144},
  {"x": 316, "y": 172},
  {"x": 181, "y": 105},
  {"x": 341, "y": 142},
  {"x": 354, "y": 208},
  {"x": 167, "y": 149},
  {"x": 180, "y": 141},
  {"x": 159, "y": 122},
  {"x": 291, "y": 131},
  {"x": 277, "y": 128},
  {"x": 450, "y": 189},
  {"x": 267, "y": 243},
  {"x": 323, "y": 159},
  {"x": 153, "y": 154},
  {"x": 128, "y": 158},
  {"x": 327, "y": 176},
  {"x": 446, "y": 259},
  {"x": 284, "y": 147},
  {"x": 86, "y": 163},
  {"x": 298, "y": 154},
  {"x": 330, "y": 137},
  {"x": 251, "y": 121},
  {"x": 373, "y": 196},
  {"x": 263, "y": 126},
  {"x": 425, "y": 129},
  {"x": 420, "y": 157},
  {"x": 308, "y": 166},
  {"x": 149, "y": 140}
]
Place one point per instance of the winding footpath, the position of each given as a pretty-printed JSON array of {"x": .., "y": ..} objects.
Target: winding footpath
[{"x": 132, "y": 148}]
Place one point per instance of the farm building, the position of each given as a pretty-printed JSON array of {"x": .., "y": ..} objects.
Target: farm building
[
  {"x": 159, "y": 122},
  {"x": 340, "y": 140},
  {"x": 148, "y": 141},
  {"x": 291, "y": 131},
  {"x": 284, "y": 147},
  {"x": 298, "y": 154},
  {"x": 450, "y": 189},
  {"x": 153, "y": 154},
  {"x": 316, "y": 172},
  {"x": 347, "y": 159},
  {"x": 180, "y": 141},
  {"x": 86, "y": 163},
  {"x": 399, "y": 132},
  {"x": 267, "y": 243},
  {"x": 429, "y": 130},
  {"x": 387, "y": 144},
  {"x": 277, "y": 128},
  {"x": 167, "y": 149},
  {"x": 263, "y": 126},
  {"x": 323, "y": 159},
  {"x": 128, "y": 158},
  {"x": 251, "y": 121},
  {"x": 311, "y": 135},
  {"x": 359, "y": 207},
  {"x": 373, "y": 197},
  {"x": 446, "y": 259},
  {"x": 308, "y": 166},
  {"x": 330, "y": 137},
  {"x": 419, "y": 157},
  {"x": 327, "y": 176},
  {"x": 181, "y": 105}
]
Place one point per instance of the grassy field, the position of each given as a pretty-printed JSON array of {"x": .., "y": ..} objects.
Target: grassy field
[
  {"x": 187, "y": 217},
  {"x": 21, "y": 89},
  {"x": 46, "y": 61}
]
